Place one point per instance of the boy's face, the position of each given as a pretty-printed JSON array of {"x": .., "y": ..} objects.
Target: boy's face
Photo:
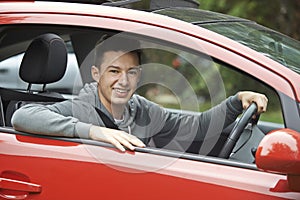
[{"x": 118, "y": 77}]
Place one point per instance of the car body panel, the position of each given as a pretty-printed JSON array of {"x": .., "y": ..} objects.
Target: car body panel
[{"x": 90, "y": 165}]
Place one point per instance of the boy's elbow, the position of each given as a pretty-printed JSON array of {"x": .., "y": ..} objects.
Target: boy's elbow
[{"x": 17, "y": 119}]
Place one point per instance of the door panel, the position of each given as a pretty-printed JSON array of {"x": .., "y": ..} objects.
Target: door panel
[{"x": 77, "y": 171}]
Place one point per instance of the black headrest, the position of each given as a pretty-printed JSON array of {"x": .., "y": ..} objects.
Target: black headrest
[{"x": 45, "y": 60}]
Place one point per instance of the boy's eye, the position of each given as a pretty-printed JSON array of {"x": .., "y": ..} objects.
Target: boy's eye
[
  {"x": 132, "y": 72},
  {"x": 114, "y": 71}
]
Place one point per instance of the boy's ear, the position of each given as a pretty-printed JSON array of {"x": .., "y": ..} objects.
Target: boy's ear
[{"x": 95, "y": 73}]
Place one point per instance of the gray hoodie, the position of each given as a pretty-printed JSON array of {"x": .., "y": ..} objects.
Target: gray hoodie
[{"x": 142, "y": 118}]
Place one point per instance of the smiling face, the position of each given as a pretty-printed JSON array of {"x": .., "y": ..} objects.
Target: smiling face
[{"x": 117, "y": 79}]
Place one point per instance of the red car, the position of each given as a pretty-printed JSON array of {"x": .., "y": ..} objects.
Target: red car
[{"x": 192, "y": 60}]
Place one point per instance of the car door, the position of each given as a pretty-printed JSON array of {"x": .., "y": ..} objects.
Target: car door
[{"x": 46, "y": 168}]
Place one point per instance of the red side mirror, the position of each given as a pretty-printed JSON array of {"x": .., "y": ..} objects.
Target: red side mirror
[{"x": 279, "y": 152}]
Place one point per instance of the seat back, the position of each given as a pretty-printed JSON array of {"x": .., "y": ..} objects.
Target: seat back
[{"x": 44, "y": 62}]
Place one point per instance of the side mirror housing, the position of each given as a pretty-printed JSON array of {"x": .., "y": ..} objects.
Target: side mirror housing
[{"x": 279, "y": 152}]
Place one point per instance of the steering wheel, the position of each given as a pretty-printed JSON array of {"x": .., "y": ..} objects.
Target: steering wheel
[{"x": 238, "y": 130}]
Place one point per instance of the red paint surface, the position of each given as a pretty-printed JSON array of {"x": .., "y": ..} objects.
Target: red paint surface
[
  {"x": 61, "y": 179},
  {"x": 73, "y": 173},
  {"x": 281, "y": 147}
]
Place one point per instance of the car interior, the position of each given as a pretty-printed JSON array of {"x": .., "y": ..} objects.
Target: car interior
[{"x": 35, "y": 42}]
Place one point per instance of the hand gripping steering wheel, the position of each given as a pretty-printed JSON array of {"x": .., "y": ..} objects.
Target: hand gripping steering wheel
[{"x": 238, "y": 130}]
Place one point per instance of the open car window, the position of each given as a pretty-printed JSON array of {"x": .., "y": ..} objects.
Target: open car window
[
  {"x": 173, "y": 77},
  {"x": 178, "y": 78}
]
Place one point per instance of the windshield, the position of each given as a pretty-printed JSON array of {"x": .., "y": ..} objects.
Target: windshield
[
  {"x": 268, "y": 42},
  {"x": 272, "y": 44}
]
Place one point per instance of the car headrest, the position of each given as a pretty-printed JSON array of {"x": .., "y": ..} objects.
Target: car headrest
[{"x": 45, "y": 60}]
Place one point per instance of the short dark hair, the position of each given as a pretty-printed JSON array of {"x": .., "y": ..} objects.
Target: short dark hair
[{"x": 116, "y": 43}]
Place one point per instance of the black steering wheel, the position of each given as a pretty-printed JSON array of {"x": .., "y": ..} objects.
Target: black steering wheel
[{"x": 238, "y": 130}]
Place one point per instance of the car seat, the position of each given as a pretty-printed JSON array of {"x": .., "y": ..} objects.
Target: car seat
[{"x": 44, "y": 62}]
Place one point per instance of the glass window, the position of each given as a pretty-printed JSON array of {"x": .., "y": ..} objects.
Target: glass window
[{"x": 179, "y": 79}]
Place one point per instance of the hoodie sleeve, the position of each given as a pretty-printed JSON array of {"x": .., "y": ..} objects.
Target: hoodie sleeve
[
  {"x": 53, "y": 120},
  {"x": 178, "y": 128}
]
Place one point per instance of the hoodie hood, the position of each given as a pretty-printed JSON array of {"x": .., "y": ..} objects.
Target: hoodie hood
[{"x": 89, "y": 94}]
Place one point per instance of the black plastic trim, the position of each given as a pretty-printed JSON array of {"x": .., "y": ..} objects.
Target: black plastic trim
[{"x": 291, "y": 112}]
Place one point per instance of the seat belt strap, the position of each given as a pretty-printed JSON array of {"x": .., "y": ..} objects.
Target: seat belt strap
[{"x": 106, "y": 120}]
